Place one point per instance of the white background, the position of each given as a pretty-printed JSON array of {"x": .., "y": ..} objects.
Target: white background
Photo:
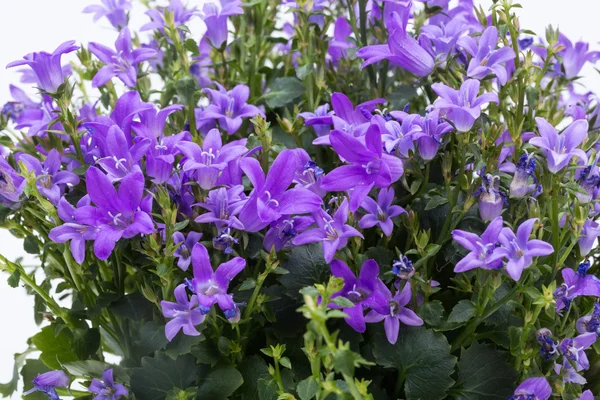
[{"x": 35, "y": 25}]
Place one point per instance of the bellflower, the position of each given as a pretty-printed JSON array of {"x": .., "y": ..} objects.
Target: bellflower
[
  {"x": 392, "y": 311},
  {"x": 340, "y": 44},
  {"x": 320, "y": 112},
  {"x": 122, "y": 160},
  {"x": 11, "y": 184},
  {"x": 229, "y": 108},
  {"x": 368, "y": 166},
  {"x": 462, "y": 106},
  {"x": 576, "y": 283},
  {"x": 181, "y": 15},
  {"x": 525, "y": 168},
  {"x": 332, "y": 232},
  {"x": 184, "y": 251},
  {"x": 121, "y": 63},
  {"x": 491, "y": 199},
  {"x": 401, "y": 50},
  {"x": 363, "y": 292},
  {"x": 575, "y": 56},
  {"x": 398, "y": 136},
  {"x": 548, "y": 347},
  {"x": 487, "y": 59},
  {"x": 224, "y": 241},
  {"x": 589, "y": 180},
  {"x": 107, "y": 389},
  {"x": 284, "y": 230},
  {"x": 209, "y": 160},
  {"x": 114, "y": 10},
  {"x": 429, "y": 139},
  {"x": 47, "y": 67},
  {"x": 41, "y": 119},
  {"x": 590, "y": 323},
  {"x": 380, "y": 213},
  {"x": 270, "y": 198},
  {"x": 403, "y": 268},
  {"x": 587, "y": 395},
  {"x": 589, "y": 234},
  {"x": 483, "y": 250},
  {"x": 223, "y": 204},
  {"x": 48, "y": 382},
  {"x": 308, "y": 174},
  {"x": 532, "y": 389},
  {"x": 72, "y": 230},
  {"x": 574, "y": 349},
  {"x": 185, "y": 314},
  {"x": 117, "y": 214},
  {"x": 559, "y": 149},
  {"x": 14, "y": 109},
  {"x": 568, "y": 373},
  {"x": 211, "y": 287},
  {"x": 519, "y": 250},
  {"x": 216, "y": 13}
]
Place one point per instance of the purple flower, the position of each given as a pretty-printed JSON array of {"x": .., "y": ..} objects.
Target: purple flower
[
  {"x": 397, "y": 136},
  {"x": 576, "y": 283},
  {"x": 575, "y": 57},
  {"x": 223, "y": 204},
  {"x": 548, "y": 347},
  {"x": 184, "y": 251},
  {"x": 363, "y": 292},
  {"x": 224, "y": 241},
  {"x": 308, "y": 174},
  {"x": 283, "y": 231},
  {"x": 185, "y": 315},
  {"x": 589, "y": 180},
  {"x": 117, "y": 214},
  {"x": 14, "y": 109},
  {"x": 429, "y": 139},
  {"x": 47, "y": 383},
  {"x": 121, "y": 160},
  {"x": 332, "y": 232},
  {"x": 11, "y": 184},
  {"x": 368, "y": 167},
  {"x": 211, "y": 287},
  {"x": 114, "y": 10},
  {"x": 462, "y": 106},
  {"x": 590, "y": 323},
  {"x": 121, "y": 63},
  {"x": 574, "y": 349},
  {"x": 340, "y": 44},
  {"x": 568, "y": 373},
  {"x": 525, "y": 168},
  {"x": 403, "y": 268},
  {"x": 559, "y": 149},
  {"x": 208, "y": 161},
  {"x": 229, "y": 107},
  {"x": 72, "y": 230},
  {"x": 491, "y": 199},
  {"x": 533, "y": 389},
  {"x": 587, "y": 395},
  {"x": 589, "y": 234},
  {"x": 487, "y": 60},
  {"x": 181, "y": 15},
  {"x": 483, "y": 250},
  {"x": 401, "y": 49},
  {"x": 381, "y": 212},
  {"x": 320, "y": 112},
  {"x": 107, "y": 389},
  {"x": 46, "y": 66},
  {"x": 216, "y": 14},
  {"x": 270, "y": 198},
  {"x": 519, "y": 250},
  {"x": 392, "y": 311}
]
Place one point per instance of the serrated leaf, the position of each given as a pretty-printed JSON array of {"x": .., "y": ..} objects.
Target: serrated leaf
[
  {"x": 56, "y": 349},
  {"x": 463, "y": 311},
  {"x": 432, "y": 313},
  {"x": 343, "y": 302},
  {"x": 308, "y": 388},
  {"x": 220, "y": 382},
  {"x": 306, "y": 267},
  {"x": 13, "y": 279},
  {"x": 248, "y": 284},
  {"x": 283, "y": 91},
  {"x": 158, "y": 375}
]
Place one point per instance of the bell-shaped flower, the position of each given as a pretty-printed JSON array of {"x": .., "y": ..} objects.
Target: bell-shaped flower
[
  {"x": 48, "y": 382},
  {"x": 589, "y": 234},
  {"x": 107, "y": 389},
  {"x": 223, "y": 205},
  {"x": 487, "y": 59},
  {"x": 184, "y": 251},
  {"x": 284, "y": 230},
  {"x": 574, "y": 349},
  {"x": 340, "y": 43},
  {"x": 520, "y": 185},
  {"x": 491, "y": 199},
  {"x": 591, "y": 322},
  {"x": 122, "y": 160},
  {"x": 483, "y": 250},
  {"x": 12, "y": 184},
  {"x": 560, "y": 148},
  {"x": 321, "y": 129},
  {"x": 575, "y": 284},
  {"x": 185, "y": 314},
  {"x": 380, "y": 212},
  {"x": 114, "y": 10},
  {"x": 532, "y": 388}
]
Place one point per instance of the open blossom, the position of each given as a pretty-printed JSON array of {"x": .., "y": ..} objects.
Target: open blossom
[
  {"x": 560, "y": 148},
  {"x": 12, "y": 184},
  {"x": 575, "y": 56},
  {"x": 114, "y": 10},
  {"x": 576, "y": 283},
  {"x": 216, "y": 13},
  {"x": 483, "y": 250},
  {"x": 591, "y": 322},
  {"x": 340, "y": 43},
  {"x": 185, "y": 314},
  {"x": 462, "y": 106},
  {"x": 107, "y": 389},
  {"x": 568, "y": 373},
  {"x": 380, "y": 212},
  {"x": 320, "y": 112},
  {"x": 308, "y": 174},
  {"x": 48, "y": 382},
  {"x": 184, "y": 251},
  {"x": 181, "y": 15},
  {"x": 46, "y": 66},
  {"x": 284, "y": 230},
  {"x": 488, "y": 60},
  {"x": 223, "y": 204},
  {"x": 123, "y": 159},
  {"x": 229, "y": 108},
  {"x": 72, "y": 230},
  {"x": 574, "y": 349},
  {"x": 533, "y": 388},
  {"x": 121, "y": 63}
]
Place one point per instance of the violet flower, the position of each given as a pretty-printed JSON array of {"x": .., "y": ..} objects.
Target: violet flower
[
  {"x": 568, "y": 373},
  {"x": 181, "y": 15},
  {"x": 229, "y": 108},
  {"x": 368, "y": 166},
  {"x": 223, "y": 204},
  {"x": 72, "y": 230},
  {"x": 429, "y": 139},
  {"x": 574, "y": 349},
  {"x": 284, "y": 230},
  {"x": 559, "y": 149},
  {"x": 333, "y": 233},
  {"x": 363, "y": 292},
  {"x": 14, "y": 109},
  {"x": 41, "y": 119},
  {"x": 46, "y": 66},
  {"x": 491, "y": 199},
  {"x": 12, "y": 184},
  {"x": 185, "y": 314},
  {"x": 339, "y": 45},
  {"x": 308, "y": 174},
  {"x": 211, "y": 287},
  {"x": 589, "y": 234},
  {"x": 590, "y": 323},
  {"x": 320, "y": 112},
  {"x": 576, "y": 283},
  {"x": 392, "y": 311},
  {"x": 122, "y": 160},
  {"x": 548, "y": 347},
  {"x": 121, "y": 63},
  {"x": 114, "y": 10},
  {"x": 184, "y": 251},
  {"x": 48, "y": 382},
  {"x": 533, "y": 388},
  {"x": 462, "y": 106},
  {"x": 575, "y": 56},
  {"x": 587, "y": 395},
  {"x": 401, "y": 50},
  {"x": 107, "y": 389},
  {"x": 519, "y": 250},
  {"x": 399, "y": 137},
  {"x": 224, "y": 241},
  {"x": 380, "y": 213},
  {"x": 483, "y": 250},
  {"x": 117, "y": 214},
  {"x": 589, "y": 180},
  {"x": 487, "y": 60},
  {"x": 216, "y": 14},
  {"x": 403, "y": 268},
  {"x": 525, "y": 169},
  {"x": 270, "y": 198}
]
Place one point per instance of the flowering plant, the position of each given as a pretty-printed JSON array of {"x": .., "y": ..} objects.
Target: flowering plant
[{"x": 307, "y": 200}]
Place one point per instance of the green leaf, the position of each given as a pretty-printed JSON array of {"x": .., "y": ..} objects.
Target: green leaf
[
  {"x": 285, "y": 362},
  {"x": 435, "y": 202},
  {"x": 13, "y": 279},
  {"x": 134, "y": 307},
  {"x": 462, "y": 312},
  {"x": 182, "y": 344},
  {"x": 304, "y": 71},
  {"x": 248, "y": 284},
  {"x": 283, "y": 91},
  {"x": 185, "y": 88},
  {"x": 424, "y": 358},
  {"x": 6, "y": 389},
  {"x": 151, "y": 338},
  {"x": 306, "y": 267},
  {"x": 220, "y": 382},
  {"x": 308, "y": 388},
  {"x": 253, "y": 369},
  {"x": 86, "y": 343},
  {"x": 483, "y": 373},
  {"x": 94, "y": 369},
  {"x": 343, "y": 302},
  {"x": 30, "y": 245},
  {"x": 432, "y": 313},
  {"x": 192, "y": 46},
  {"x": 205, "y": 353},
  {"x": 344, "y": 361},
  {"x": 56, "y": 350},
  {"x": 158, "y": 375}
]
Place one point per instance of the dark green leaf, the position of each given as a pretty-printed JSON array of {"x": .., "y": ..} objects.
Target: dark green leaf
[
  {"x": 343, "y": 361},
  {"x": 247, "y": 284},
  {"x": 306, "y": 267},
  {"x": 152, "y": 338},
  {"x": 13, "y": 279},
  {"x": 205, "y": 353},
  {"x": 462, "y": 312},
  {"x": 192, "y": 46},
  {"x": 182, "y": 344},
  {"x": 283, "y": 91},
  {"x": 252, "y": 369},
  {"x": 94, "y": 369},
  {"x": 308, "y": 388},
  {"x": 86, "y": 343},
  {"x": 55, "y": 349},
  {"x": 304, "y": 71},
  {"x": 158, "y": 375},
  {"x": 435, "y": 202},
  {"x": 30, "y": 245},
  {"x": 432, "y": 313},
  {"x": 483, "y": 373},
  {"x": 133, "y": 306},
  {"x": 185, "y": 88},
  {"x": 220, "y": 382},
  {"x": 343, "y": 302},
  {"x": 424, "y": 357}
]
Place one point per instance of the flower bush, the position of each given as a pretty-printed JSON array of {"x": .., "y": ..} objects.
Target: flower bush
[{"x": 307, "y": 200}]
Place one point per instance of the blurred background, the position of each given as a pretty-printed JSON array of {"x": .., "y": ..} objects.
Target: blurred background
[{"x": 35, "y": 25}]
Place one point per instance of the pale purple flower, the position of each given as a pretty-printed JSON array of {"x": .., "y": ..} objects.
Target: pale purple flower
[
  {"x": 41, "y": 119},
  {"x": 72, "y": 230},
  {"x": 576, "y": 283},
  {"x": 559, "y": 149},
  {"x": 568, "y": 373},
  {"x": 122, "y": 160},
  {"x": 587, "y": 395},
  {"x": 46, "y": 66},
  {"x": 283, "y": 231},
  {"x": 185, "y": 314},
  {"x": 229, "y": 108},
  {"x": 11, "y": 184},
  {"x": 403, "y": 268},
  {"x": 589, "y": 234},
  {"x": 321, "y": 111},
  {"x": 223, "y": 204},
  {"x": 181, "y": 15},
  {"x": 107, "y": 389},
  {"x": 380, "y": 212},
  {"x": 216, "y": 14},
  {"x": 591, "y": 322},
  {"x": 184, "y": 251},
  {"x": 308, "y": 174},
  {"x": 483, "y": 250},
  {"x": 339, "y": 45},
  {"x": 429, "y": 140},
  {"x": 574, "y": 349},
  {"x": 525, "y": 169},
  {"x": 114, "y": 10},
  {"x": 14, "y": 109},
  {"x": 399, "y": 137},
  {"x": 487, "y": 59},
  {"x": 491, "y": 199},
  {"x": 533, "y": 389},
  {"x": 575, "y": 56},
  {"x": 48, "y": 382},
  {"x": 589, "y": 180}
]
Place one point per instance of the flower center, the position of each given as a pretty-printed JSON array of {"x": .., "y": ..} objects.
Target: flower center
[
  {"x": 208, "y": 157},
  {"x": 230, "y": 108}
]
